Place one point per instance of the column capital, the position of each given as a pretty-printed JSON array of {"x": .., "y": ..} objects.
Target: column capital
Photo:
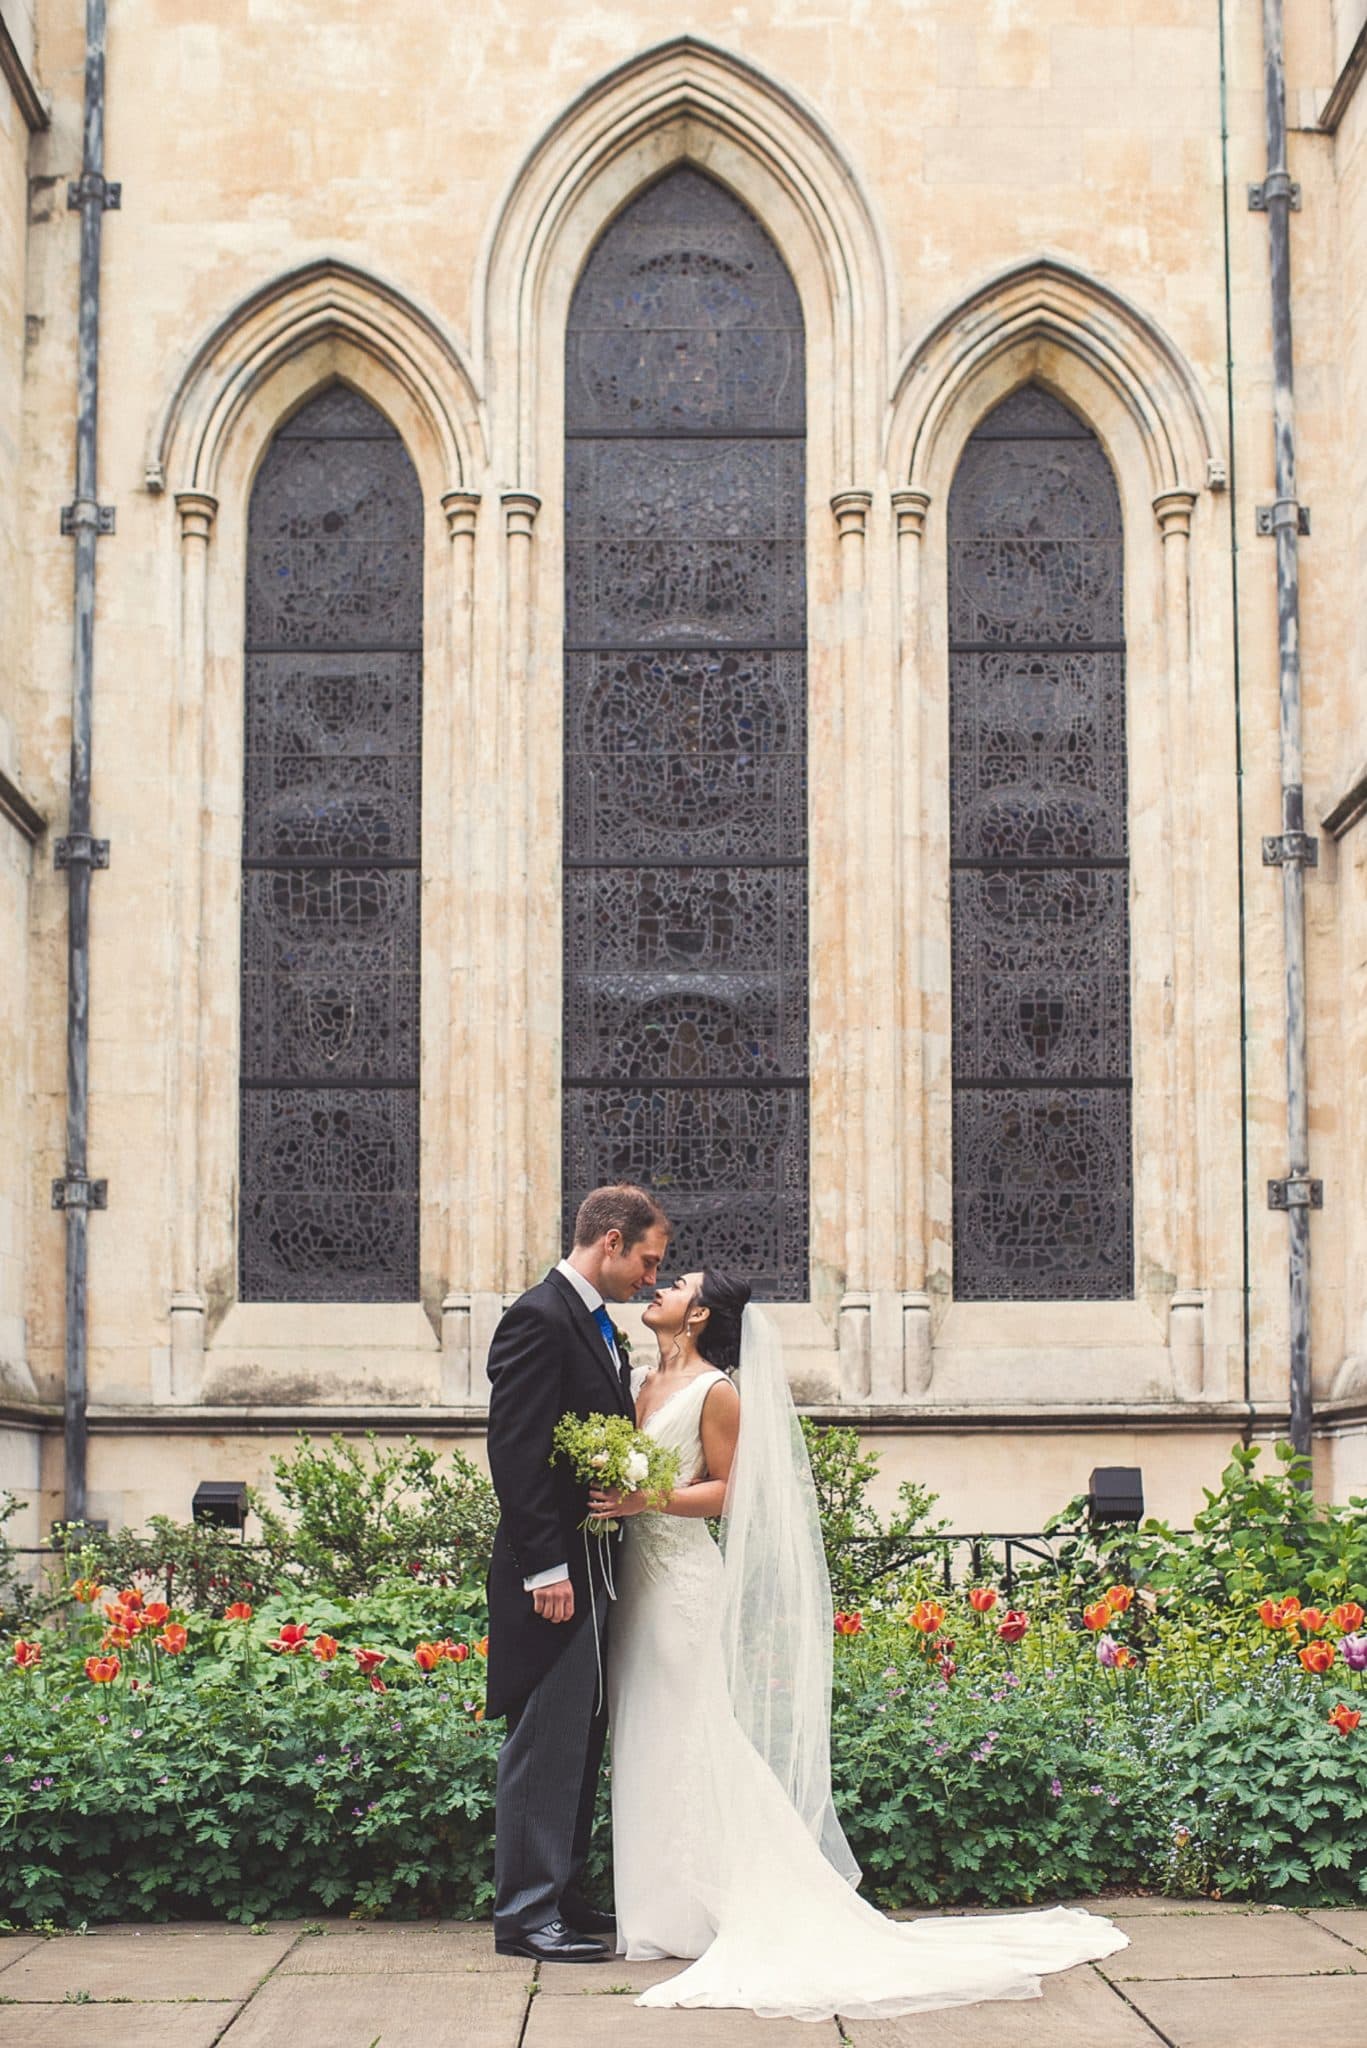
[
  {"x": 851, "y": 509},
  {"x": 197, "y": 511},
  {"x": 519, "y": 512},
  {"x": 910, "y": 507},
  {"x": 460, "y": 508},
  {"x": 1173, "y": 510}
]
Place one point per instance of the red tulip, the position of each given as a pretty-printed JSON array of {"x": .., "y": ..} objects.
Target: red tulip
[
  {"x": 457, "y": 1652},
  {"x": 378, "y": 1685},
  {"x": 1345, "y": 1719},
  {"x": 102, "y": 1670},
  {"x": 1317, "y": 1657},
  {"x": 324, "y": 1648},
  {"x": 27, "y": 1655},
  {"x": 239, "y": 1611},
  {"x": 173, "y": 1638},
  {"x": 927, "y": 1615},
  {"x": 1014, "y": 1626},
  {"x": 293, "y": 1636},
  {"x": 982, "y": 1599},
  {"x": 946, "y": 1667},
  {"x": 369, "y": 1660},
  {"x": 1348, "y": 1618},
  {"x": 1098, "y": 1615},
  {"x": 848, "y": 1624},
  {"x": 1312, "y": 1620}
]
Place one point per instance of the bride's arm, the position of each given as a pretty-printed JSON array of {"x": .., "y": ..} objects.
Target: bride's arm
[{"x": 720, "y": 1428}]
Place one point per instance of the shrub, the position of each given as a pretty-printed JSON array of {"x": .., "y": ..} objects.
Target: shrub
[{"x": 864, "y": 1557}]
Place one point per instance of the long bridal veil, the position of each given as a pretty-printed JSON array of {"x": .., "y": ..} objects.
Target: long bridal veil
[{"x": 776, "y": 1603}]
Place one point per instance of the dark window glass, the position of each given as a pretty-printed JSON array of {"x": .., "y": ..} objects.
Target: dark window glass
[
  {"x": 1039, "y": 858},
  {"x": 685, "y": 732},
  {"x": 330, "y": 884}
]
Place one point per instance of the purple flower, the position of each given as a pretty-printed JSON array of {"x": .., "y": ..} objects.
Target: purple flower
[
  {"x": 135, "y": 1732},
  {"x": 320, "y": 1759},
  {"x": 35, "y": 1785},
  {"x": 163, "y": 1781},
  {"x": 1095, "y": 1791},
  {"x": 1354, "y": 1650},
  {"x": 1055, "y": 1788},
  {"x": 1107, "y": 1651},
  {"x": 359, "y": 1812},
  {"x": 1113, "y": 1799}
]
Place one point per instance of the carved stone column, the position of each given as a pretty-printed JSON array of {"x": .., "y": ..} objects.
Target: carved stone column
[
  {"x": 464, "y": 1213},
  {"x": 1187, "y": 1309},
  {"x": 197, "y": 511},
  {"x": 515, "y": 742},
  {"x": 851, "y": 509},
  {"x": 911, "y": 1209}
]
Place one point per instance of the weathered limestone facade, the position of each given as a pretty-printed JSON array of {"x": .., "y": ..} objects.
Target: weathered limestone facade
[{"x": 970, "y": 195}]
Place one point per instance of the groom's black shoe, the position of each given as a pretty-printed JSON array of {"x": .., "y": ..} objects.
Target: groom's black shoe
[
  {"x": 582, "y": 1918},
  {"x": 553, "y": 1943}
]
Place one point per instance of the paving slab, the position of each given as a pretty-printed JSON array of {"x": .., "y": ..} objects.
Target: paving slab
[
  {"x": 621, "y": 2023},
  {"x": 1078, "y": 2010},
  {"x": 12, "y": 1946},
  {"x": 1133, "y": 1906},
  {"x": 113, "y": 2026},
  {"x": 613, "y": 1978},
  {"x": 408, "y": 1945},
  {"x": 1248, "y": 1945},
  {"x": 392, "y": 2009},
  {"x": 1348, "y": 1923},
  {"x": 147, "y": 1963},
  {"x": 1273, "y": 2012}
]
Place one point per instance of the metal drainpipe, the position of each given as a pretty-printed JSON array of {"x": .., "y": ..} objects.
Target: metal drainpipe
[
  {"x": 76, "y": 1194},
  {"x": 1293, "y": 850}
]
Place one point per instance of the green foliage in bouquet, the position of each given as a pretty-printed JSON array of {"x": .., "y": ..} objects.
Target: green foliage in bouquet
[{"x": 610, "y": 1452}]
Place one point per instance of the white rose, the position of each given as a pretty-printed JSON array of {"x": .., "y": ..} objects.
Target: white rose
[
  {"x": 598, "y": 1460},
  {"x": 638, "y": 1467}
]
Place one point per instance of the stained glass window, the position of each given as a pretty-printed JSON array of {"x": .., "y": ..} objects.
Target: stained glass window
[
  {"x": 685, "y": 732},
  {"x": 331, "y": 850},
  {"x": 1039, "y": 859}
]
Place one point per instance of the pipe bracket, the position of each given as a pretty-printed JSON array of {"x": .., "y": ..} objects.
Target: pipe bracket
[
  {"x": 85, "y": 512},
  {"x": 1291, "y": 849},
  {"x": 1276, "y": 185},
  {"x": 1283, "y": 512},
  {"x": 77, "y": 1191},
  {"x": 77, "y": 849},
  {"x": 92, "y": 185},
  {"x": 1297, "y": 1191}
]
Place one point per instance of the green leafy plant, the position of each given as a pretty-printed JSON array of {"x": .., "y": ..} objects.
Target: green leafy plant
[{"x": 865, "y": 1556}]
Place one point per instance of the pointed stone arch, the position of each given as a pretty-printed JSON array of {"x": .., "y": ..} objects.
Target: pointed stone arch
[
  {"x": 687, "y": 99},
  {"x": 338, "y": 321}
]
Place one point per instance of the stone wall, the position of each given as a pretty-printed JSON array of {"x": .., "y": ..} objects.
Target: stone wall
[{"x": 968, "y": 195}]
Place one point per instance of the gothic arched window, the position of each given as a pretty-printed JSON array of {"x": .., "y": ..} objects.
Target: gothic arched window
[
  {"x": 685, "y": 731},
  {"x": 1039, "y": 857},
  {"x": 330, "y": 883}
]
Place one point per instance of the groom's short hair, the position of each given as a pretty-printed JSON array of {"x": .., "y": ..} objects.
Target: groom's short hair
[{"x": 622, "y": 1207}]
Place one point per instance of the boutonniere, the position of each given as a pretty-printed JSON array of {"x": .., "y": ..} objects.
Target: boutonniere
[{"x": 623, "y": 1343}]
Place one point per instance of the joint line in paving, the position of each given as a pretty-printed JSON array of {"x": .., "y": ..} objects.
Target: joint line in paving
[
  {"x": 1138, "y": 2011},
  {"x": 238, "y": 2010}
]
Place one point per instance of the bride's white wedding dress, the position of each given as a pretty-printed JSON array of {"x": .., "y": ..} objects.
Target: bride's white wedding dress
[{"x": 712, "y": 1859}]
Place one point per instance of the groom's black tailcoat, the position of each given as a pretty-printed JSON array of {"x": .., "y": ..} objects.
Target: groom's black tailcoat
[{"x": 548, "y": 1359}]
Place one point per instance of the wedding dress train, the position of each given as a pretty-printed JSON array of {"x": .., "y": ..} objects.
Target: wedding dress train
[{"x": 712, "y": 1859}]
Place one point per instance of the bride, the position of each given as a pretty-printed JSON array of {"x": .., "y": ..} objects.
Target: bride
[{"x": 726, "y": 1846}]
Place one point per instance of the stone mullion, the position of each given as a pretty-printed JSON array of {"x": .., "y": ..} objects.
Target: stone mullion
[
  {"x": 1186, "y": 1333},
  {"x": 514, "y": 1182},
  {"x": 197, "y": 510},
  {"x": 851, "y": 509},
  {"x": 912, "y": 811},
  {"x": 460, "y": 1172}
]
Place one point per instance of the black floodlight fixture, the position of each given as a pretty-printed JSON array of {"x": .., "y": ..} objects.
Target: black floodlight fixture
[
  {"x": 1116, "y": 1494},
  {"x": 221, "y": 1501}
]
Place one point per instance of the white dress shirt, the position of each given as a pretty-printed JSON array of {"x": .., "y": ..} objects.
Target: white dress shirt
[{"x": 592, "y": 1301}]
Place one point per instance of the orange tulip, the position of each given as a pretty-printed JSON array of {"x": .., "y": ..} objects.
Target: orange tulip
[
  {"x": 87, "y": 1591},
  {"x": 173, "y": 1638},
  {"x": 1345, "y": 1719},
  {"x": 324, "y": 1648},
  {"x": 1098, "y": 1615},
  {"x": 482, "y": 1647},
  {"x": 1119, "y": 1598},
  {"x": 1348, "y": 1618},
  {"x": 479, "y": 1713},
  {"x": 1270, "y": 1613},
  {"x": 239, "y": 1611},
  {"x": 848, "y": 1624},
  {"x": 427, "y": 1656},
  {"x": 1311, "y": 1619},
  {"x": 456, "y": 1652},
  {"x": 1317, "y": 1657},
  {"x": 27, "y": 1655},
  {"x": 927, "y": 1615},
  {"x": 102, "y": 1670},
  {"x": 130, "y": 1597},
  {"x": 155, "y": 1613},
  {"x": 1290, "y": 1606},
  {"x": 1123, "y": 1658},
  {"x": 982, "y": 1599}
]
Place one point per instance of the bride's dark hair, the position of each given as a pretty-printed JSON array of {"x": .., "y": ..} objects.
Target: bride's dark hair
[{"x": 724, "y": 1299}]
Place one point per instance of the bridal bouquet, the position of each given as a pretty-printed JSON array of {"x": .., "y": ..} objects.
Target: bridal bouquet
[{"x": 609, "y": 1452}]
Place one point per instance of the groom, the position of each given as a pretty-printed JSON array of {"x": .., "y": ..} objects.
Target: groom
[{"x": 554, "y": 1353}]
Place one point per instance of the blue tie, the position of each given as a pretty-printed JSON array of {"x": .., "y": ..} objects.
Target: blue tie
[{"x": 604, "y": 1322}]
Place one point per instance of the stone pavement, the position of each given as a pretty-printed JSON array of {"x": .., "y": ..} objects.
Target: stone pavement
[{"x": 1194, "y": 1976}]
